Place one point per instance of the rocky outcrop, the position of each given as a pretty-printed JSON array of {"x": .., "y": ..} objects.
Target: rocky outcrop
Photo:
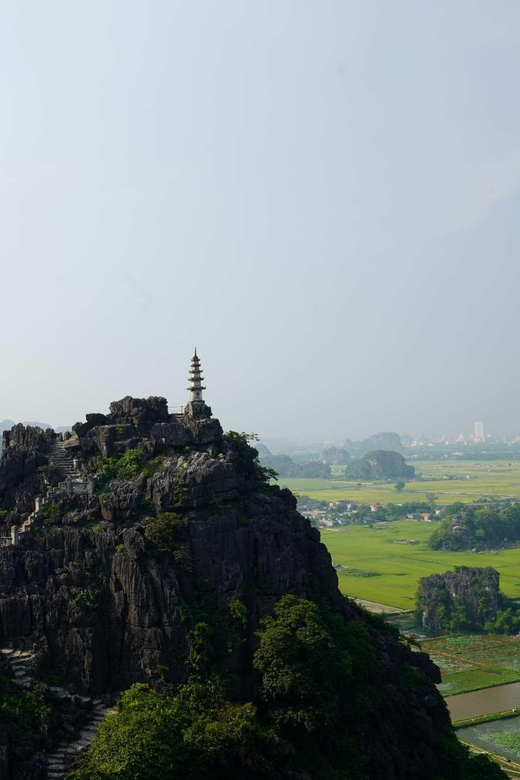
[
  {"x": 24, "y": 453},
  {"x": 467, "y": 598},
  {"x": 106, "y": 587}
]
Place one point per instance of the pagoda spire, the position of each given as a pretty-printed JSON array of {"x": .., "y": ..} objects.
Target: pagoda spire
[{"x": 195, "y": 379}]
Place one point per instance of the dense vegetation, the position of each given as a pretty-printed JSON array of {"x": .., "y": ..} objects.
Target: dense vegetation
[
  {"x": 379, "y": 464},
  {"x": 24, "y": 709},
  {"x": 127, "y": 466},
  {"x": 466, "y": 528},
  {"x": 315, "y": 689}
]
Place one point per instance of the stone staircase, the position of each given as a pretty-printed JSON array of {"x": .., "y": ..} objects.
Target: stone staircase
[
  {"x": 60, "y": 458},
  {"x": 21, "y": 662},
  {"x": 73, "y": 483},
  {"x": 60, "y": 760},
  {"x": 63, "y": 757}
]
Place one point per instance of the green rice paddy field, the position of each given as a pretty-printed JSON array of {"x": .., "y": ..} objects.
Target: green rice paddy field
[
  {"x": 472, "y": 661},
  {"x": 388, "y": 566},
  {"x": 467, "y": 481}
]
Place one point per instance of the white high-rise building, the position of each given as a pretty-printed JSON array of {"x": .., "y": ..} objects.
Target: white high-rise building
[{"x": 479, "y": 431}]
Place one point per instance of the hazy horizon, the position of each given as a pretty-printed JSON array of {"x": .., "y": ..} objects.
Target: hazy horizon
[{"x": 322, "y": 198}]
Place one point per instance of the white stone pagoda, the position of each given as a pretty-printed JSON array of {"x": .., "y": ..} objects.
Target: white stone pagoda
[{"x": 196, "y": 402}]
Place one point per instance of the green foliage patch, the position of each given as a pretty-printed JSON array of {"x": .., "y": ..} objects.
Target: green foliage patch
[
  {"x": 26, "y": 709},
  {"x": 130, "y": 465},
  {"x": 169, "y": 737},
  {"x": 167, "y": 530},
  {"x": 51, "y": 512},
  {"x": 467, "y": 528}
]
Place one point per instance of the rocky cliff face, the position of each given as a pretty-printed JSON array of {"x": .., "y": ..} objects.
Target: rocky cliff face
[
  {"x": 104, "y": 587},
  {"x": 465, "y": 598}
]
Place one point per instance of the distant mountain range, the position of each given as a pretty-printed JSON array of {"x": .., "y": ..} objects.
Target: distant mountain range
[{"x": 6, "y": 425}]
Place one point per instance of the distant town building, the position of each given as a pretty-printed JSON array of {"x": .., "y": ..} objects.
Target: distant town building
[{"x": 479, "y": 431}]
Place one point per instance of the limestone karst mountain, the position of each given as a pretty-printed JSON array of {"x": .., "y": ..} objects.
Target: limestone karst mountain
[
  {"x": 380, "y": 464},
  {"x": 378, "y": 441},
  {"x": 138, "y": 530}
]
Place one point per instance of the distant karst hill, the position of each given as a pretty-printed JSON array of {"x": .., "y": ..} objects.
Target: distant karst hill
[
  {"x": 286, "y": 467},
  {"x": 379, "y": 441},
  {"x": 467, "y": 599},
  {"x": 6, "y": 425},
  {"x": 380, "y": 464},
  {"x": 335, "y": 456}
]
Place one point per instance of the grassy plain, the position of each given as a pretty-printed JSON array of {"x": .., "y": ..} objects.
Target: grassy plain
[
  {"x": 395, "y": 566},
  {"x": 448, "y": 479}
]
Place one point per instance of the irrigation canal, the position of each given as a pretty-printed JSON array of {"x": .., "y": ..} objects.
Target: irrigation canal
[{"x": 484, "y": 702}]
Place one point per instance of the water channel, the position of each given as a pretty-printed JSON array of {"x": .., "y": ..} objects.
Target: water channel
[
  {"x": 488, "y": 736},
  {"x": 484, "y": 702}
]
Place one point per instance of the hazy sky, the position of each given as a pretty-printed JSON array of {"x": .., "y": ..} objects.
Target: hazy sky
[{"x": 324, "y": 197}]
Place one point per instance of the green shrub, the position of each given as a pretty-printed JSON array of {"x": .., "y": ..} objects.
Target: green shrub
[
  {"x": 147, "y": 505},
  {"x": 120, "y": 548},
  {"x": 26, "y": 709},
  {"x": 215, "y": 503},
  {"x": 167, "y": 530},
  {"x": 183, "y": 559},
  {"x": 238, "y": 610},
  {"x": 302, "y": 665},
  {"x": 51, "y": 512},
  {"x": 88, "y": 597},
  {"x": 131, "y": 464},
  {"x": 265, "y": 473}
]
